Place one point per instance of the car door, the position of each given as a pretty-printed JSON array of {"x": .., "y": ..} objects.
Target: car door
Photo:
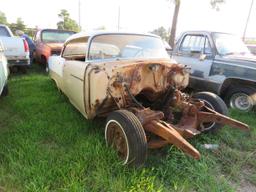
[
  {"x": 73, "y": 72},
  {"x": 195, "y": 51}
]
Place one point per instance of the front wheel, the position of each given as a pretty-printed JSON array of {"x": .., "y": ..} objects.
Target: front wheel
[
  {"x": 126, "y": 135},
  {"x": 242, "y": 98},
  {"x": 215, "y": 103}
]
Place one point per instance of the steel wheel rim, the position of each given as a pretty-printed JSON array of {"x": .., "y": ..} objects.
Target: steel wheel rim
[
  {"x": 241, "y": 101},
  {"x": 207, "y": 126},
  {"x": 117, "y": 139}
]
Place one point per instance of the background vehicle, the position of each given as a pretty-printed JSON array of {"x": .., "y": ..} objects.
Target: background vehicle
[
  {"x": 3, "y": 72},
  {"x": 131, "y": 79},
  {"x": 49, "y": 42},
  {"x": 220, "y": 63},
  {"x": 16, "y": 49}
]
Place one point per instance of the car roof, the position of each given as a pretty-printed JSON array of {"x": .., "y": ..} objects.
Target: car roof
[
  {"x": 203, "y": 32},
  {"x": 95, "y": 33}
]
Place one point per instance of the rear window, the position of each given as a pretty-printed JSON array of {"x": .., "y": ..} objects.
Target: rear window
[{"x": 4, "y": 32}]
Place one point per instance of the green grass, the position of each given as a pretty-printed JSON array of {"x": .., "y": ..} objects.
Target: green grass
[{"x": 47, "y": 145}]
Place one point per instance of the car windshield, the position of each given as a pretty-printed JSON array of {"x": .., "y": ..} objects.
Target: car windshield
[
  {"x": 228, "y": 44},
  {"x": 56, "y": 36},
  {"x": 126, "y": 46}
]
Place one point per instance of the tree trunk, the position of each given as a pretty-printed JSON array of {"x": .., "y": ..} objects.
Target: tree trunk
[{"x": 174, "y": 23}]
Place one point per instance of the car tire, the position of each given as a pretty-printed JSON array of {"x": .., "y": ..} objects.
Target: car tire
[
  {"x": 5, "y": 91},
  {"x": 125, "y": 134},
  {"x": 23, "y": 69},
  {"x": 214, "y": 102},
  {"x": 242, "y": 98},
  {"x": 45, "y": 63}
]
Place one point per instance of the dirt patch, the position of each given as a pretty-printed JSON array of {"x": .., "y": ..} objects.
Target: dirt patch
[{"x": 244, "y": 185}]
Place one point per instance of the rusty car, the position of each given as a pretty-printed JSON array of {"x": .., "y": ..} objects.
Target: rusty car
[
  {"x": 130, "y": 79},
  {"x": 49, "y": 42}
]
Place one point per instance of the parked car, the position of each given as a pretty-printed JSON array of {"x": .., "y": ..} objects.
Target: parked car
[
  {"x": 3, "y": 72},
  {"x": 16, "y": 49},
  {"x": 49, "y": 42},
  {"x": 220, "y": 63},
  {"x": 131, "y": 79}
]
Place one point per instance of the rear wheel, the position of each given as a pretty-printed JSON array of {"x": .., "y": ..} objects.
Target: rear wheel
[
  {"x": 23, "y": 69},
  {"x": 215, "y": 103},
  {"x": 242, "y": 98},
  {"x": 126, "y": 135}
]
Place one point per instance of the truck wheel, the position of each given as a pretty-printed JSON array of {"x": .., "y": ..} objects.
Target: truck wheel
[
  {"x": 126, "y": 135},
  {"x": 241, "y": 98},
  {"x": 23, "y": 69},
  {"x": 5, "y": 91},
  {"x": 214, "y": 102}
]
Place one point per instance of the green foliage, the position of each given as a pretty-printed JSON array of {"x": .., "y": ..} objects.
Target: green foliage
[
  {"x": 19, "y": 25},
  {"x": 30, "y": 31},
  {"x": 3, "y": 19},
  {"x": 66, "y": 22},
  {"x": 162, "y": 32},
  {"x": 47, "y": 145}
]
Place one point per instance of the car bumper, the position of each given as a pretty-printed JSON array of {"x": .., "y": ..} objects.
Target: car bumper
[{"x": 19, "y": 62}]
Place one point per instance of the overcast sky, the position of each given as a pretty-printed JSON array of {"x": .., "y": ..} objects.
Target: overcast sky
[{"x": 136, "y": 15}]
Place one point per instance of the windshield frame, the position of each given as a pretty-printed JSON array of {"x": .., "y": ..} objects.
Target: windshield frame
[
  {"x": 230, "y": 34},
  {"x": 90, "y": 41},
  {"x": 56, "y": 31}
]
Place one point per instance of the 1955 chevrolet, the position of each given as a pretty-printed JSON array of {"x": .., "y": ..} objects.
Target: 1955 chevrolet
[{"x": 130, "y": 79}]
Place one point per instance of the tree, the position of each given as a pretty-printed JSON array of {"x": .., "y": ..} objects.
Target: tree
[
  {"x": 19, "y": 25},
  {"x": 162, "y": 32},
  {"x": 3, "y": 19},
  {"x": 214, "y": 3},
  {"x": 66, "y": 22}
]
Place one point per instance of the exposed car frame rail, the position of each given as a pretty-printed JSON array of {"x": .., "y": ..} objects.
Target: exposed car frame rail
[{"x": 195, "y": 112}]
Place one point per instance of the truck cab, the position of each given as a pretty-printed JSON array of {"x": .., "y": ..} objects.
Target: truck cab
[
  {"x": 220, "y": 63},
  {"x": 16, "y": 49}
]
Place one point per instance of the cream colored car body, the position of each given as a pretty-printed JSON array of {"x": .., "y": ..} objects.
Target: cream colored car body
[
  {"x": 4, "y": 72},
  {"x": 97, "y": 87}
]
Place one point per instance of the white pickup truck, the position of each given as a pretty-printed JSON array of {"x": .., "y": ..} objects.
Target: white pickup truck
[{"x": 16, "y": 49}]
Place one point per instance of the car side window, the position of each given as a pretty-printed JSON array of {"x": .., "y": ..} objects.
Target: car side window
[
  {"x": 76, "y": 49},
  {"x": 195, "y": 44}
]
